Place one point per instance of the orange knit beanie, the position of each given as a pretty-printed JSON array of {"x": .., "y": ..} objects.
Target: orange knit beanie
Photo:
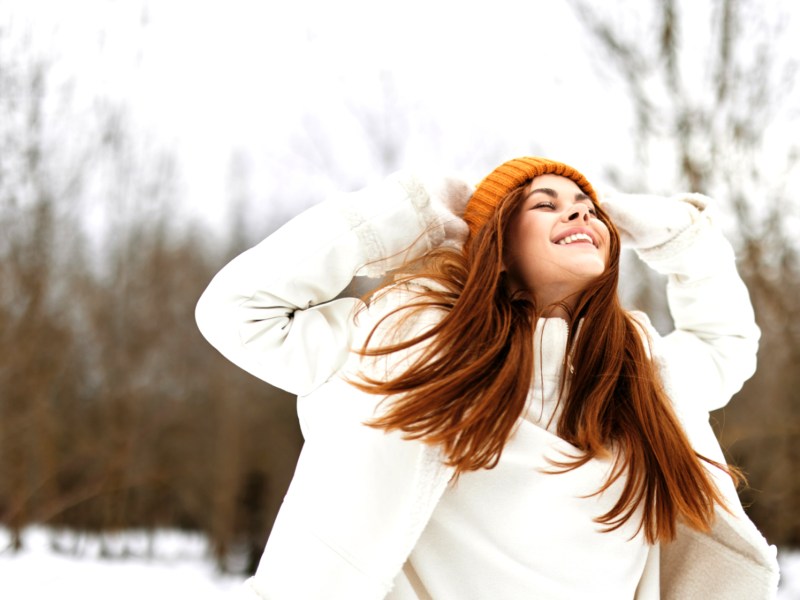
[{"x": 510, "y": 175}]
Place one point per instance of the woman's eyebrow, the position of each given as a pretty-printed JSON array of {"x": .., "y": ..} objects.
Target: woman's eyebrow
[
  {"x": 579, "y": 196},
  {"x": 548, "y": 191}
]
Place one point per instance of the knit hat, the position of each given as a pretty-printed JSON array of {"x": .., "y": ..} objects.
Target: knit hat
[{"x": 510, "y": 175}]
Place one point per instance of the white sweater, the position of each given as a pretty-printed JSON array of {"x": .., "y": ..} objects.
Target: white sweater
[
  {"x": 516, "y": 531},
  {"x": 360, "y": 499}
]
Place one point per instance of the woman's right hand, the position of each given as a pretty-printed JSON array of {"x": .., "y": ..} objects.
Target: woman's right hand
[{"x": 449, "y": 197}]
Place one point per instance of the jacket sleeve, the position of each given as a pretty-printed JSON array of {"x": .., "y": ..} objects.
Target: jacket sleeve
[
  {"x": 712, "y": 351},
  {"x": 273, "y": 309}
]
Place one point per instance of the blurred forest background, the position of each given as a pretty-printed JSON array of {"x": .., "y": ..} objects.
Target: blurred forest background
[{"x": 115, "y": 414}]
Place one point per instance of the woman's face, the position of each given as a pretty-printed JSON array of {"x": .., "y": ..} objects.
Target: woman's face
[{"x": 556, "y": 243}]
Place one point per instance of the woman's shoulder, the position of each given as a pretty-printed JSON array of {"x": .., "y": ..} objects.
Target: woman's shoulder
[
  {"x": 642, "y": 319},
  {"x": 650, "y": 337},
  {"x": 405, "y": 292},
  {"x": 405, "y": 307}
]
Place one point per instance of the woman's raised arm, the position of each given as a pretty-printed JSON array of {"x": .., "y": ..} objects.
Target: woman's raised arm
[
  {"x": 712, "y": 351},
  {"x": 271, "y": 310}
]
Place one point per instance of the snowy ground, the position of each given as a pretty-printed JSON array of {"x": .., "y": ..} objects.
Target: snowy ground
[
  {"x": 178, "y": 568},
  {"x": 790, "y": 575}
]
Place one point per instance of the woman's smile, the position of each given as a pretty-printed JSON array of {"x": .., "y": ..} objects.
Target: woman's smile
[{"x": 576, "y": 236}]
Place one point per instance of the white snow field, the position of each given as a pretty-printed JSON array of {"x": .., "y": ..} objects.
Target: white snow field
[
  {"x": 165, "y": 565},
  {"x": 178, "y": 567}
]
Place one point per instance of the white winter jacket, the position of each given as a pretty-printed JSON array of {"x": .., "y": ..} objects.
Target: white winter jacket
[{"x": 360, "y": 497}]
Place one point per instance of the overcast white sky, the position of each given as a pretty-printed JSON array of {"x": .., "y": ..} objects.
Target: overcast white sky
[
  {"x": 287, "y": 85},
  {"x": 509, "y": 77}
]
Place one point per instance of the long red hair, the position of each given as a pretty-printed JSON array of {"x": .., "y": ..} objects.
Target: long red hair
[{"x": 469, "y": 382}]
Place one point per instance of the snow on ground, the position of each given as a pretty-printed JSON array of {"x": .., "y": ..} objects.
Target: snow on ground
[
  {"x": 790, "y": 575},
  {"x": 178, "y": 567}
]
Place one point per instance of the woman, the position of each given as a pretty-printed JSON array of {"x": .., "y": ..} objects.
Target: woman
[{"x": 493, "y": 424}]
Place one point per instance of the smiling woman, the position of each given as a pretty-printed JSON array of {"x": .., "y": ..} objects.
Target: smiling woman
[
  {"x": 493, "y": 419},
  {"x": 557, "y": 243}
]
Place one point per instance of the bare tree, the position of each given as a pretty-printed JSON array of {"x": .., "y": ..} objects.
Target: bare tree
[
  {"x": 113, "y": 411},
  {"x": 35, "y": 335}
]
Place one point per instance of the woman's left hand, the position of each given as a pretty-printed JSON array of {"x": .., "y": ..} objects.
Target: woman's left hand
[{"x": 647, "y": 221}]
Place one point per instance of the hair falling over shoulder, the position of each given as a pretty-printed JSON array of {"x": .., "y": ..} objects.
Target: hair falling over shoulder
[{"x": 468, "y": 384}]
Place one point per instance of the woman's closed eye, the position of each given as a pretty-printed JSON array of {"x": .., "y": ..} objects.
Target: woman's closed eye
[{"x": 544, "y": 204}]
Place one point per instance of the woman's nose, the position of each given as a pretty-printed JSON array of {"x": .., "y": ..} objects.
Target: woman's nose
[{"x": 578, "y": 211}]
